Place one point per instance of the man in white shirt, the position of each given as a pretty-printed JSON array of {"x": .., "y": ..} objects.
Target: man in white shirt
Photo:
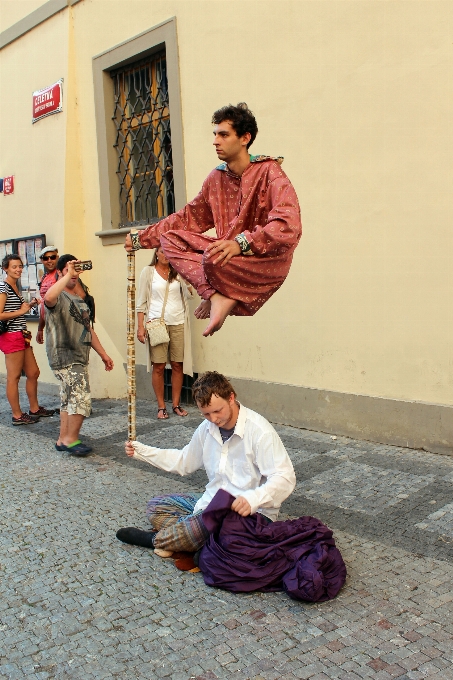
[{"x": 241, "y": 453}]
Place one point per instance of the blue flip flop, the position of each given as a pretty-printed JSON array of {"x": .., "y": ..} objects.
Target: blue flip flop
[{"x": 77, "y": 450}]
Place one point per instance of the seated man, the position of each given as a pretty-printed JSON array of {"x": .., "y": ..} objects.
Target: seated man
[
  {"x": 241, "y": 453},
  {"x": 254, "y": 209}
]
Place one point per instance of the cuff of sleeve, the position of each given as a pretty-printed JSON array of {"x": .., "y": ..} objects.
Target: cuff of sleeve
[
  {"x": 254, "y": 498},
  {"x": 136, "y": 245},
  {"x": 141, "y": 451}
]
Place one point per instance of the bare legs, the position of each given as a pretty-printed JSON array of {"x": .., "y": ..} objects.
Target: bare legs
[
  {"x": 69, "y": 428},
  {"x": 177, "y": 376},
  {"x": 15, "y": 363},
  {"x": 157, "y": 378},
  {"x": 31, "y": 371}
]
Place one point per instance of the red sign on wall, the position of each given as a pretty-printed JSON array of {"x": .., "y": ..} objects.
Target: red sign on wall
[
  {"x": 8, "y": 185},
  {"x": 48, "y": 101}
]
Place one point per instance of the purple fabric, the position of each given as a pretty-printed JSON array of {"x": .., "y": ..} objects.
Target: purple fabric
[{"x": 243, "y": 554}]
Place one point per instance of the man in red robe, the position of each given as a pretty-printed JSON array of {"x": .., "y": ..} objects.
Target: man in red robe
[{"x": 254, "y": 209}]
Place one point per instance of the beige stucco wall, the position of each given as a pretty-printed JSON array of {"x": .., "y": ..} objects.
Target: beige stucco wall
[
  {"x": 13, "y": 11},
  {"x": 35, "y": 154},
  {"x": 358, "y": 98}
]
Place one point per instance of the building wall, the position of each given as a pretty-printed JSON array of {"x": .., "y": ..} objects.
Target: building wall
[{"x": 357, "y": 96}]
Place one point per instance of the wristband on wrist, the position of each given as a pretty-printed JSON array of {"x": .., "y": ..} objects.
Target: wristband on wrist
[
  {"x": 136, "y": 245},
  {"x": 243, "y": 244}
]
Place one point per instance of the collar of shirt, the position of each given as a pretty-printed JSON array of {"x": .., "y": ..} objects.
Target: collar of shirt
[{"x": 239, "y": 428}]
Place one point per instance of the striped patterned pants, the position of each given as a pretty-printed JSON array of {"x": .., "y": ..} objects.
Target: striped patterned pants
[{"x": 179, "y": 529}]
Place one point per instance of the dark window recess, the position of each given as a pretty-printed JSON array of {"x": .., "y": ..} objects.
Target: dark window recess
[
  {"x": 143, "y": 141},
  {"x": 186, "y": 392}
]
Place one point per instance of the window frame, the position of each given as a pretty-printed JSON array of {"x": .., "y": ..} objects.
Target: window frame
[
  {"x": 152, "y": 124},
  {"x": 162, "y": 36}
]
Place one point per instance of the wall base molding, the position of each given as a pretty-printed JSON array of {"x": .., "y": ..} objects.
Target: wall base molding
[{"x": 413, "y": 424}]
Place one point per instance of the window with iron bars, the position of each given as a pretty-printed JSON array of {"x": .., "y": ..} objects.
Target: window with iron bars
[{"x": 143, "y": 141}]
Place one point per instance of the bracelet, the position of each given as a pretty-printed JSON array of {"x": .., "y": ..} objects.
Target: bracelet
[
  {"x": 243, "y": 244},
  {"x": 136, "y": 245}
]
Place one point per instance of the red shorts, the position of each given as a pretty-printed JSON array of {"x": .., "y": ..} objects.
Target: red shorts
[{"x": 12, "y": 342}]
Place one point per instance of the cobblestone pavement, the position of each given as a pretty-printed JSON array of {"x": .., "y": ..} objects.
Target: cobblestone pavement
[{"x": 77, "y": 603}]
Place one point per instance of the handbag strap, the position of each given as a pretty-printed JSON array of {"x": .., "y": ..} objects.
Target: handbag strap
[
  {"x": 14, "y": 292},
  {"x": 165, "y": 299}
]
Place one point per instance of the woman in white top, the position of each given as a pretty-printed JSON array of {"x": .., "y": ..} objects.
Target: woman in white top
[{"x": 177, "y": 352}]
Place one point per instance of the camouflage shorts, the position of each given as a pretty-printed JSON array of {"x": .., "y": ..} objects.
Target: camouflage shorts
[{"x": 74, "y": 390}]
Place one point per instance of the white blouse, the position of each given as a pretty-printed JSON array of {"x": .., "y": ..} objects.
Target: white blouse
[{"x": 174, "y": 309}]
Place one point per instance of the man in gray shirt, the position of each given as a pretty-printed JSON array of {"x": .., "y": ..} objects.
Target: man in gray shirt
[{"x": 69, "y": 338}]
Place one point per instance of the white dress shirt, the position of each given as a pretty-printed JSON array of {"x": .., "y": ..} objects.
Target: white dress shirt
[{"x": 253, "y": 463}]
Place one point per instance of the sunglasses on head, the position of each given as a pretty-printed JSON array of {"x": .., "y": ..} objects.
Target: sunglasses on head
[{"x": 49, "y": 257}]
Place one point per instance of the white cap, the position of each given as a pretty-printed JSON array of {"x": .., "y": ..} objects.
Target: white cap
[{"x": 48, "y": 249}]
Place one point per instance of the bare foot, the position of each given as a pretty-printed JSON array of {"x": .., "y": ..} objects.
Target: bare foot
[
  {"x": 221, "y": 306},
  {"x": 203, "y": 309}
]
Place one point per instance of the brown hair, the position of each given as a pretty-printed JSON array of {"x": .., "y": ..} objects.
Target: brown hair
[
  {"x": 172, "y": 273},
  {"x": 210, "y": 383}
]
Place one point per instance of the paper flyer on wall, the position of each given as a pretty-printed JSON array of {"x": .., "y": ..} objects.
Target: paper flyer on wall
[
  {"x": 32, "y": 280},
  {"x": 38, "y": 247},
  {"x": 22, "y": 251},
  {"x": 39, "y": 271},
  {"x": 30, "y": 249},
  {"x": 24, "y": 279}
]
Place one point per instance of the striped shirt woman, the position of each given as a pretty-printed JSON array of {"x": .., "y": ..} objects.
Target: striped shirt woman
[{"x": 15, "y": 345}]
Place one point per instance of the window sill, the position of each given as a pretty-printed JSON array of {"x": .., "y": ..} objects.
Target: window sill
[{"x": 111, "y": 237}]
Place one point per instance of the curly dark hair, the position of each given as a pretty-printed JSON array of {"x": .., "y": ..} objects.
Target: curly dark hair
[
  {"x": 241, "y": 118},
  {"x": 9, "y": 258},
  {"x": 210, "y": 383}
]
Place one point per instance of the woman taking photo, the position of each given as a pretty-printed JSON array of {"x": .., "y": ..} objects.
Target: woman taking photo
[
  {"x": 161, "y": 289},
  {"x": 15, "y": 344}
]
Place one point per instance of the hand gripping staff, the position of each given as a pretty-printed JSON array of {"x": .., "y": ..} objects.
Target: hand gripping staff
[{"x": 131, "y": 410}]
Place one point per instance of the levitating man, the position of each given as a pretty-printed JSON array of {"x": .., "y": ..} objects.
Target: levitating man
[{"x": 255, "y": 212}]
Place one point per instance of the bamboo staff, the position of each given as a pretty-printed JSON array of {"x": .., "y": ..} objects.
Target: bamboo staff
[{"x": 131, "y": 392}]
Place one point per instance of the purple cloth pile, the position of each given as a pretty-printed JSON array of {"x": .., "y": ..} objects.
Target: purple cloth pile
[{"x": 243, "y": 554}]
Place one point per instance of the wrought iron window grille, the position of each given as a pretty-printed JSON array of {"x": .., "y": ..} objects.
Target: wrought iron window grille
[{"x": 143, "y": 141}]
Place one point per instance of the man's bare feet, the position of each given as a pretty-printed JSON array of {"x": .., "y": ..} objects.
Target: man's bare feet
[
  {"x": 221, "y": 307},
  {"x": 203, "y": 309}
]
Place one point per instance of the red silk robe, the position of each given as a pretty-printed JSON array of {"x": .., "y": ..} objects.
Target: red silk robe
[{"x": 262, "y": 205}]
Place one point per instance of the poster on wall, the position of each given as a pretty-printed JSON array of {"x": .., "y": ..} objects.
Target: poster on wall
[{"x": 47, "y": 101}]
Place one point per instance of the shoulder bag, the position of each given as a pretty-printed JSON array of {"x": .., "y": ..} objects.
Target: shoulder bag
[{"x": 156, "y": 328}]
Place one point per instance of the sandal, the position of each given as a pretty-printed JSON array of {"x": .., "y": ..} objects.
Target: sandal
[
  {"x": 182, "y": 412},
  {"x": 164, "y": 415}
]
